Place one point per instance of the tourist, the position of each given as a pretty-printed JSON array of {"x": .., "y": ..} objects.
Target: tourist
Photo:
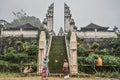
[
  {"x": 65, "y": 69},
  {"x": 26, "y": 70},
  {"x": 44, "y": 73},
  {"x": 30, "y": 69},
  {"x": 45, "y": 63}
]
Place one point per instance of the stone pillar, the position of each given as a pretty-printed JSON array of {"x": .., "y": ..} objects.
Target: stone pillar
[
  {"x": 42, "y": 50},
  {"x": 67, "y": 18},
  {"x": 49, "y": 17},
  {"x": 69, "y": 24},
  {"x": 73, "y": 54},
  {"x": 45, "y": 23}
]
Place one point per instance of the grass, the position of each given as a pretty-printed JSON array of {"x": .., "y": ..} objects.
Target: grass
[
  {"x": 8, "y": 74},
  {"x": 50, "y": 78},
  {"x": 19, "y": 76}
]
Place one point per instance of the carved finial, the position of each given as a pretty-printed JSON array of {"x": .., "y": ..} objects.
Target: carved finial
[
  {"x": 115, "y": 28},
  {"x": 50, "y": 10},
  {"x": 51, "y": 6},
  {"x": 65, "y": 5},
  {"x": 45, "y": 21},
  {"x": 61, "y": 32},
  {"x": 72, "y": 22}
]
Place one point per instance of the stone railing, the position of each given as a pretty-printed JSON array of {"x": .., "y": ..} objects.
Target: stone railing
[{"x": 68, "y": 50}]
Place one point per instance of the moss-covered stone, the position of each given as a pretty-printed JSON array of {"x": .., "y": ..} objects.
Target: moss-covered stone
[{"x": 57, "y": 54}]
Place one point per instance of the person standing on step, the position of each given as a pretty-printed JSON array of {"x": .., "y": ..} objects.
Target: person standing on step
[{"x": 65, "y": 69}]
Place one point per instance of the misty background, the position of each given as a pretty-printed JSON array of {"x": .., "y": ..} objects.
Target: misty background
[{"x": 105, "y": 13}]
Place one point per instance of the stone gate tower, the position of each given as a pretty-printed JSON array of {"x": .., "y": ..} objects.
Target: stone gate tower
[
  {"x": 48, "y": 21},
  {"x": 69, "y": 24}
]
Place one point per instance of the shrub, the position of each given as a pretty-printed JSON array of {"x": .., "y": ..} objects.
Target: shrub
[
  {"x": 11, "y": 50},
  {"x": 1, "y": 57},
  {"x": 11, "y": 57},
  {"x": 22, "y": 57},
  {"x": 19, "y": 43},
  {"x": 109, "y": 60},
  {"x": 81, "y": 61},
  {"x": 26, "y": 47},
  {"x": 98, "y": 74},
  {"x": 80, "y": 40},
  {"x": 115, "y": 74},
  {"x": 92, "y": 59},
  {"x": 81, "y": 51},
  {"x": 103, "y": 52},
  {"x": 95, "y": 45},
  {"x": 33, "y": 50},
  {"x": 2, "y": 62},
  {"x": 108, "y": 74}
]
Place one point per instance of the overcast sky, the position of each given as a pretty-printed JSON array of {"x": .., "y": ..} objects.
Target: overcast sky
[{"x": 102, "y": 12}]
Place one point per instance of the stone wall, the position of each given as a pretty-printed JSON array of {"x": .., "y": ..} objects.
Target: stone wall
[
  {"x": 24, "y": 33},
  {"x": 96, "y": 34}
]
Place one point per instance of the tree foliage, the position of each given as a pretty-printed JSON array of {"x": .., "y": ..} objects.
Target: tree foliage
[
  {"x": 33, "y": 49},
  {"x": 109, "y": 60},
  {"x": 46, "y": 32},
  {"x": 115, "y": 44},
  {"x": 22, "y": 19},
  {"x": 68, "y": 35},
  {"x": 81, "y": 50}
]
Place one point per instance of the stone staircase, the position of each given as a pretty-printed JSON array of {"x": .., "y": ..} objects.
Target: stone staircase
[{"x": 57, "y": 54}]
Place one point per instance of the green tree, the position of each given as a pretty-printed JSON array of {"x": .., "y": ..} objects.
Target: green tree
[
  {"x": 68, "y": 35},
  {"x": 11, "y": 50},
  {"x": 115, "y": 45},
  {"x": 81, "y": 50},
  {"x": 109, "y": 60},
  {"x": 11, "y": 57},
  {"x": 22, "y": 18},
  {"x": 22, "y": 57},
  {"x": 33, "y": 49},
  {"x": 26, "y": 47},
  {"x": 103, "y": 52},
  {"x": 19, "y": 45},
  {"x": 43, "y": 29},
  {"x": 92, "y": 59},
  {"x": 95, "y": 46}
]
